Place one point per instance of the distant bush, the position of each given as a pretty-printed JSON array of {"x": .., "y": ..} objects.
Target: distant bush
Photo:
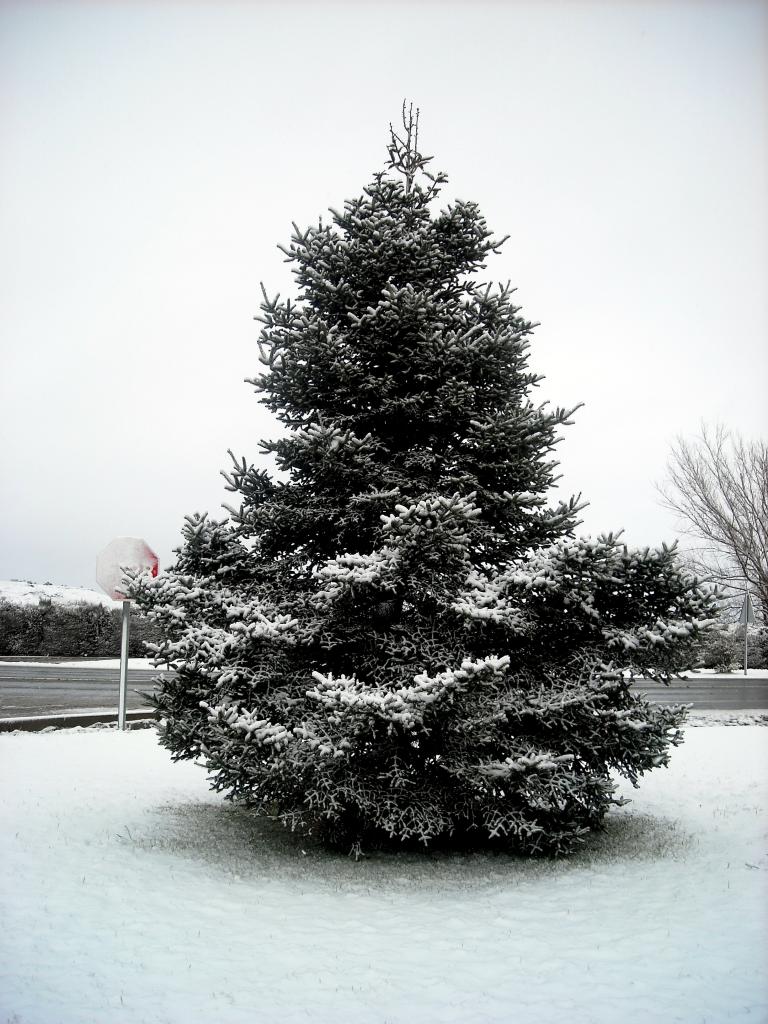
[
  {"x": 724, "y": 651},
  {"x": 69, "y": 630},
  {"x": 720, "y": 652},
  {"x": 758, "y": 648}
]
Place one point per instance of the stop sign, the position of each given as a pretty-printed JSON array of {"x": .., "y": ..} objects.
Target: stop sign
[{"x": 121, "y": 554}]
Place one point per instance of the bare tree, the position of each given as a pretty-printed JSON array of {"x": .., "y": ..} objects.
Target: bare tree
[{"x": 718, "y": 486}]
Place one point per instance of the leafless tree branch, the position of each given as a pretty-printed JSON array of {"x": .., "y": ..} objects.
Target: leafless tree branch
[{"x": 717, "y": 484}]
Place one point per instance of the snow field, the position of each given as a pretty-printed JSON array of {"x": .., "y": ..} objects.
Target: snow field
[
  {"x": 131, "y": 893},
  {"x": 25, "y": 592}
]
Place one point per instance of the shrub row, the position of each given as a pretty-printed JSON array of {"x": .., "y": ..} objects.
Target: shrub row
[
  {"x": 69, "y": 630},
  {"x": 724, "y": 651},
  {"x": 94, "y": 631}
]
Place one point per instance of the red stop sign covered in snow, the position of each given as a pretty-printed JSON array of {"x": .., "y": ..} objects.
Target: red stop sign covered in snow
[{"x": 120, "y": 554}]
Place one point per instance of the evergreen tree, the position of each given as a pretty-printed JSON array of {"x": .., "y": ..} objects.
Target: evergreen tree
[{"x": 399, "y": 639}]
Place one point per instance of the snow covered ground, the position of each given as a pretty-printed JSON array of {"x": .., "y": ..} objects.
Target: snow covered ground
[
  {"x": 25, "y": 592},
  {"x": 142, "y": 664},
  {"x": 146, "y": 663},
  {"x": 130, "y": 893},
  {"x": 709, "y": 673}
]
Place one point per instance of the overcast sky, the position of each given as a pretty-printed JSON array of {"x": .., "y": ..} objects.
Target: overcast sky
[{"x": 152, "y": 155}]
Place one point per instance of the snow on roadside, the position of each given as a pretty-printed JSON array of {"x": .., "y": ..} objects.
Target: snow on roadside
[
  {"x": 704, "y": 675},
  {"x": 131, "y": 893},
  {"x": 706, "y": 716},
  {"x": 146, "y": 663},
  {"x": 710, "y": 673},
  {"x": 143, "y": 664}
]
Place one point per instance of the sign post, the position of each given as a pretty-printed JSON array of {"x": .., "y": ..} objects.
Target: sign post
[
  {"x": 121, "y": 554},
  {"x": 123, "y": 694},
  {"x": 746, "y": 617}
]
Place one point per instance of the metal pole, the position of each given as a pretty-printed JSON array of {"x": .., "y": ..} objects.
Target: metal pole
[{"x": 124, "y": 665}]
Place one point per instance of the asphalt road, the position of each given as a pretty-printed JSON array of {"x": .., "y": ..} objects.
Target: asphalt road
[
  {"x": 711, "y": 694},
  {"x": 32, "y": 690}
]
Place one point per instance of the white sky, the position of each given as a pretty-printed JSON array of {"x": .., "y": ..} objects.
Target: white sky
[{"x": 152, "y": 155}]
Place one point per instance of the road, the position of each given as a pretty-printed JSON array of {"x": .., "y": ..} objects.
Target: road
[
  {"x": 32, "y": 690},
  {"x": 711, "y": 694}
]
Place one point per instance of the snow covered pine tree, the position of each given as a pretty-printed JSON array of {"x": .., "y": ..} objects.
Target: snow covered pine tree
[{"x": 401, "y": 641}]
